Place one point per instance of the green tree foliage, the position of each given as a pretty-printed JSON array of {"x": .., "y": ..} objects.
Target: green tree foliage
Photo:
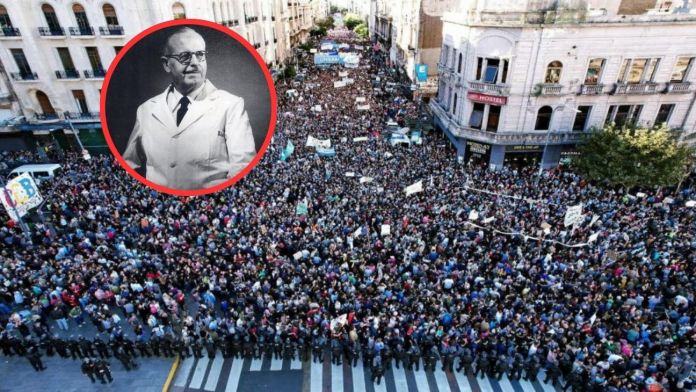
[
  {"x": 351, "y": 21},
  {"x": 634, "y": 157},
  {"x": 289, "y": 72},
  {"x": 325, "y": 23},
  {"x": 361, "y": 30}
]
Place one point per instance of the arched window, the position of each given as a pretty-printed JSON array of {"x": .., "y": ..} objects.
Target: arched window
[
  {"x": 51, "y": 18},
  {"x": 178, "y": 11},
  {"x": 543, "y": 120},
  {"x": 110, "y": 15},
  {"x": 81, "y": 18},
  {"x": 44, "y": 103},
  {"x": 459, "y": 64},
  {"x": 553, "y": 72},
  {"x": 454, "y": 104},
  {"x": 4, "y": 17}
]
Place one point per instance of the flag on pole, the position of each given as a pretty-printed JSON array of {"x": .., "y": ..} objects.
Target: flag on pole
[{"x": 287, "y": 151}]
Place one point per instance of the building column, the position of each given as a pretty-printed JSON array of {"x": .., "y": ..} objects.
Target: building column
[
  {"x": 497, "y": 156},
  {"x": 551, "y": 156}
]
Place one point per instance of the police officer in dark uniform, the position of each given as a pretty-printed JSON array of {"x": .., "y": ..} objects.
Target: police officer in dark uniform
[
  {"x": 74, "y": 348},
  {"x": 34, "y": 357},
  {"x": 465, "y": 361},
  {"x": 260, "y": 346},
  {"x": 88, "y": 368},
  {"x": 5, "y": 344},
  {"x": 46, "y": 345},
  {"x": 104, "y": 371},
  {"x": 318, "y": 342},
  {"x": 399, "y": 355},
  {"x": 61, "y": 347},
  {"x": 277, "y": 347},
  {"x": 129, "y": 346},
  {"x": 86, "y": 347},
  {"x": 101, "y": 347},
  {"x": 248, "y": 347},
  {"x": 353, "y": 353},
  {"x": 482, "y": 364},
  {"x": 431, "y": 359},
  {"x": 210, "y": 347},
  {"x": 447, "y": 359},
  {"x": 532, "y": 370},
  {"x": 414, "y": 357},
  {"x": 125, "y": 359},
  {"x": 142, "y": 346},
  {"x": 336, "y": 351},
  {"x": 197, "y": 347},
  {"x": 156, "y": 345},
  {"x": 377, "y": 369},
  {"x": 166, "y": 345}
]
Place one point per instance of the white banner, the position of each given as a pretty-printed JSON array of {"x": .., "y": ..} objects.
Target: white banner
[
  {"x": 572, "y": 215},
  {"x": 594, "y": 220},
  {"x": 414, "y": 188},
  {"x": 339, "y": 84},
  {"x": 473, "y": 215},
  {"x": 364, "y": 180},
  {"x": 363, "y": 107},
  {"x": 314, "y": 142},
  {"x": 593, "y": 237},
  {"x": 360, "y": 139},
  {"x": 342, "y": 74},
  {"x": 316, "y": 108},
  {"x": 489, "y": 219},
  {"x": 359, "y": 99},
  {"x": 386, "y": 229},
  {"x": 20, "y": 195},
  {"x": 350, "y": 174},
  {"x": 357, "y": 233}
]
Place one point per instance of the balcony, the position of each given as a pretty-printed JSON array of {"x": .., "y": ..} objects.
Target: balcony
[
  {"x": 678, "y": 88},
  {"x": 94, "y": 73},
  {"x": 505, "y": 138},
  {"x": 9, "y": 32},
  {"x": 635, "y": 88},
  {"x": 489, "y": 88},
  {"x": 82, "y": 116},
  {"x": 591, "y": 89},
  {"x": 24, "y": 76},
  {"x": 251, "y": 19},
  {"x": 111, "y": 31},
  {"x": 57, "y": 32},
  {"x": 548, "y": 89},
  {"x": 265, "y": 42},
  {"x": 46, "y": 117},
  {"x": 87, "y": 31},
  {"x": 257, "y": 45},
  {"x": 68, "y": 74}
]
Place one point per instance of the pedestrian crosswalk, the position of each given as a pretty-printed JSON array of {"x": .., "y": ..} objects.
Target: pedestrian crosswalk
[{"x": 224, "y": 374}]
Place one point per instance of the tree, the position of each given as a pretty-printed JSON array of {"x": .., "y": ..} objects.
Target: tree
[
  {"x": 289, "y": 72},
  {"x": 325, "y": 23},
  {"x": 351, "y": 21},
  {"x": 361, "y": 30},
  {"x": 634, "y": 157}
]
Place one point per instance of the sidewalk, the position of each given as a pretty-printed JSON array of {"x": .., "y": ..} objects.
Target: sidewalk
[{"x": 64, "y": 375}]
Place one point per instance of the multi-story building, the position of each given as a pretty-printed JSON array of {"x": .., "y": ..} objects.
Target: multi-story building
[
  {"x": 520, "y": 84},
  {"x": 56, "y": 53},
  {"x": 357, "y": 7},
  {"x": 411, "y": 31}
]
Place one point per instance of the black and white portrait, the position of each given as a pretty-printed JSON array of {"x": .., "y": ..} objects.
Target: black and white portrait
[{"x": 188, "y": 107}]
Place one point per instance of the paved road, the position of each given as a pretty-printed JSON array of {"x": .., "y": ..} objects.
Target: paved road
[
  {"x": 260, "y": 375},
  {"x": 64, "y": 375}
]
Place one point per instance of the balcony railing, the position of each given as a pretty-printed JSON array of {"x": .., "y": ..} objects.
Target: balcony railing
[
  {"x": 82, "y": 115},
  {"x": 112, "y": 30},
  {"x": 51, "y": 32},
  {"x": 509, "y": 138},
  {"x": 489, "y": 88},
  {"x": 252, "y": 19},
  {"x": 68, "y": 74},
  {"x": 19, "y": 76},
  {"x": 550, "y": 89},
  {"x": 591, "y": 89},
  {"x": 257, "y": 45},
  {"x": 678, "y": 88},
  {"x": 94, "y": 73},
  {"x": 86, "y": 31},
  {"x": 637, "y": 88},
  {"x": 46, "y": 116},
  {"x": 9, "y": 32}
]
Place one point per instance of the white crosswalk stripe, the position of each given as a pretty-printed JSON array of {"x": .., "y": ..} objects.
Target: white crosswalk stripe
[
  {"x": 199, "y": 373},
  {"x": 214, "y": 373},
  {"x": 235, "y": 374},
  {"x": 336, "y": 378},
  {"x": 184, "y": 371}
]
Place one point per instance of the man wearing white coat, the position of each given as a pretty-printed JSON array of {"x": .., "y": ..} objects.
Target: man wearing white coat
[{"x": 192, "y": 135}]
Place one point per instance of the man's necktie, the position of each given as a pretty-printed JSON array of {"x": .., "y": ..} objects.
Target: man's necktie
[{"x": 184, "y": 102}]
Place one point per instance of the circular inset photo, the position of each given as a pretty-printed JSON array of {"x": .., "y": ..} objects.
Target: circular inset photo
[{"x": 188, "y": 107}]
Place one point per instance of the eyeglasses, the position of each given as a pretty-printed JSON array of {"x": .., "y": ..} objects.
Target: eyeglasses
[{"x": 185, "y": 57}]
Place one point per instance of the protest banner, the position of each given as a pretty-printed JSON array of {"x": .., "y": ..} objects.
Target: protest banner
[
  {"x": 359, "y": 99},
  {"x": 287, "y": 151},
  {"x": 360, "y": 139},
  {"x": 572, "y": 215},
  {"x": 326, "y": 152},
  {"x": 414, "y": 188},
  {"x": 364, "y": 180},
  {"x": 342, "y": 74},
  {"x": 386, "y": 230},
  {"x": 350, "y": 174},
  {"x": 363, "y": 107},
  {"x": 301, "y": 208},
  {"x": 20, "y": 195}
]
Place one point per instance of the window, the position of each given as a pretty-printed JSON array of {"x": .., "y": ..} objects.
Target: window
[
  {"x": 681, "y": 69},
  {"x": 543, "y": 120},
  {"x": 594, "y": 71},
  {"x": 51, "y": 18},
  {"x": 94, "y": 59},
  {"x": 477, "y": 116},
  {"x": 581, "y": 116},
  {"x": 44, "y": 103},
  {"x": 22, "y": 63},
  {"x": 110, "y": 15},
  {"x": 479, "y": 67},
  {"x": 4, "y": 17},
  {"x": 491, "y": 72},
  {"x": 454, "y": 104},
  {"x": 81, "y": 18},
  {"x": 493, "y": 118},
  {"x": 459, "y": 64},
  {"x": 117, "y": 49},
  {"x": 624, "y": 115},
  {"x": 638, "y": 70},
  {"x": 664, "y": 113},
  {"x": 178, "y": 11},
  {"x": 66, "y": 60},
  {"x": 80, "y": 101},
  {"x": 553, "y": 72}
]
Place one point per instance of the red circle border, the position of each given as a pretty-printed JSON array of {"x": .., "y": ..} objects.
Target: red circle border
[{"x": 271, "y": 122}]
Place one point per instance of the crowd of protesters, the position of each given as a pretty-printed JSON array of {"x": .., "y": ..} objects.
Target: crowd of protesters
[{"x": 245, "y": 272}]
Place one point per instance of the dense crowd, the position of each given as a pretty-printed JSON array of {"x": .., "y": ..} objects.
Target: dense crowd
[{"x": 247, "y": 272}]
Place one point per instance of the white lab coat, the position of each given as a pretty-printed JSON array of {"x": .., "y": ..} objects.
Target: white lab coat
[{"x": 213, "y": 142}]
